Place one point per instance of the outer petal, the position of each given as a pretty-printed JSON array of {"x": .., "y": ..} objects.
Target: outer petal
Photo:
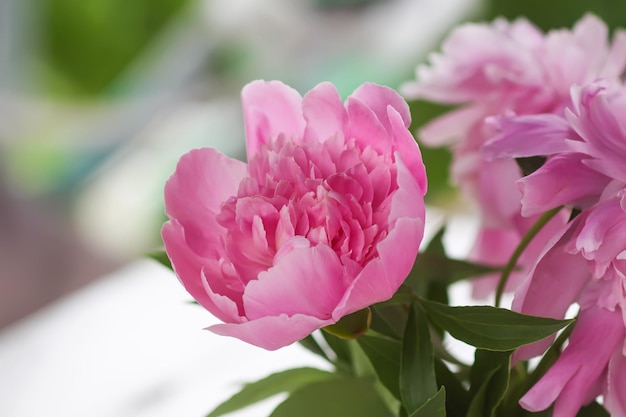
[
  {"x": 553, "y": 285},
  {"x": 324, "y": 113},
  {"x": 305, "y": 281},
  {"x": 378, "y": 98},
  {"x": 270, "y": 108},
  {"x": 203, "y": 180},
  {"x": 272, "y": 332},
  {"x": 407, "y": 147},
  {"x": 522, "y": 136},
  {"x": 382, "y": 276},
  {"x": 597, "y": 334},
  {"x": 615, "y": 393},
  {"x": 188, "y": 267},
  {"x": 563, "y": 179},
  {"x": 366, "y": 128},
  {"x": 452, "y": 126}
]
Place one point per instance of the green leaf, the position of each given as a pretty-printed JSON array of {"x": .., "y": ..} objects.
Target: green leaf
[
  {"x": 491, "y": 328},
  {"x": 489, "y": 380},
  {"x": 351, "y": 326},
  {"x": 417, "y": 371},
  {"x": 384, "y": 355},
  {"x": 457, "y": 398},
  {"x": 390, "y": 319},
  {"x": 433, "y": 265},
  {"x": 435, "y": 406},
  {"x": 285, "y": 381},
  {"x": 161, "y": 257},
  {"x": 593, "y": 410},
  {"x": 311, "y": 344},
  {"x": 340, "y": 347},
  {"x": 339, "y": 397}
]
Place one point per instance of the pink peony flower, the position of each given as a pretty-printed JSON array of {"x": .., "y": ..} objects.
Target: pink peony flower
[
  {"x": 508, "y": 70},
  {"x": 324, "y": 220}
]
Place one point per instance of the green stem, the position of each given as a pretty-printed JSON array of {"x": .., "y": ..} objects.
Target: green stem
[{"x": 528, "y": 237}]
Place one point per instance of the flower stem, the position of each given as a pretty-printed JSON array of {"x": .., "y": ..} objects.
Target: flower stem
[{"x": 528, "y": 237}]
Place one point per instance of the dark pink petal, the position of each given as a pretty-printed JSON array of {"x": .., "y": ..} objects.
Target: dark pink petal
[
  {"x": 563, "y": 179},
  {"x": 615, "y": 391},
  {"x": 597, "y": 334},
  {"x": 189, "y": 269},
  {"x": 324, "y": 113},
  {"x": 552, "y": 286},
  {"x": 272, "y": 332},
  {"x": 407, "y": 147},
  {"x": 304, "y": 281},
  {"x": 269, "y": 109}
]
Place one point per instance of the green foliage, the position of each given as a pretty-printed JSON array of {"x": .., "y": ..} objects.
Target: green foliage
[
  {"x": 417, "y": 370},
  {"x": 351, "y": 326},
  {"x": 88, "y": 43},
  {"x": 491, "y": 328},
  {"x": 339, "y": 397},
  {"x": 435, "y": 406},
  {"x": 286, "y": 381},
  {"x": 384, "y": 355},
  {"x": 161, "y": 257},
  {"x": 489, "y": 380}
]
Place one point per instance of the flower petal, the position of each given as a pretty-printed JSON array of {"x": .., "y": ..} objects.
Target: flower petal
[
  {"x": 305, "y": 281},
  {"x": 378, "y": 98},
  {"x": 269, "y": 109},
  {"x": 324, "y": 113},
  {"x": 615, "y": 393},
  {"x": 272, "y": 332},
  {"x": 407, "y": 147}
]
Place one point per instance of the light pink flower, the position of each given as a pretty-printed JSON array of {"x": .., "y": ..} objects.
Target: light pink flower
[
  {"x": 325, "y": 219},
  {"x": 508, "y": 70}
]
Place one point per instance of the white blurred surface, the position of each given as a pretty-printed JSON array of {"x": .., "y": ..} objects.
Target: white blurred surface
[{"x": 130, "y": 345}]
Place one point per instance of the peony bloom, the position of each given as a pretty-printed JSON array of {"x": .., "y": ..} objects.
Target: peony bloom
[
  {"x": 586, "y": 264},
  {"x": 495, "y": 72},
  {"x": 324, "y": 220}
]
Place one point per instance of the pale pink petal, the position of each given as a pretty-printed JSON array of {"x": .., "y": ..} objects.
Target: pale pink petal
[
  {"x": 616, "y": 60},
  {"x": 597, "y": 334},
  {"x": 225, "y": 309},
  {"x": 563, "y": 179},
  {"x": 378, "y": 98},
  {"x": 366, "y": 128},
  {"x": 452, "y": 126},
  {"x": 269, "y": 109},
  {"x": 324, "y": 113},
  {"x": 305, "y": 281},
  {"x": 615, "y": 391},
  {"x": 272, "y": 332},
  {"x": 552, "y": 286},
  {"x": 203, "y": 180},
  {"x": 408, "y": 200}
]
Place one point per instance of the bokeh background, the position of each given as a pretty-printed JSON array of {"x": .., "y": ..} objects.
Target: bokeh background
[{"x": 99, "y": 98}]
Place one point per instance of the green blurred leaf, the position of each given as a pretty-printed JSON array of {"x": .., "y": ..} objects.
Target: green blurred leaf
[
  {"x": 311, "y": 345},
  {"x": 161, "y": 257},
  {"x": 593, "y": 410},
  {"x": 339, "y": 397},
  {"x": 435, "y": 406},
  {"x": 457, "y": 397},
  {"x": 390, "y": 319},
  {"x": 417, "y": 370},
  {"x": 285, "y": 381},
  {"x": 384, "y": 355},
  {"x": 340, "y": 347},
  {"x": 351, "y": 326},
  {"x": 489, "y": 380},
  {"x": 491, "y": 328},
  {"x": 433, "y": 265}
]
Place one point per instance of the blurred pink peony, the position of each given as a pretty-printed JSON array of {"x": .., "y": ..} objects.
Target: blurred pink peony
[
  {"x": 585, "y": 264},
  {"x": 324, "y": 220},
  {"x": 494, "y": 72}
]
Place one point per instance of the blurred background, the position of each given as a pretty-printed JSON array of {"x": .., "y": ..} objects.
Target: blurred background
[{"x": 99, "y": 98}]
